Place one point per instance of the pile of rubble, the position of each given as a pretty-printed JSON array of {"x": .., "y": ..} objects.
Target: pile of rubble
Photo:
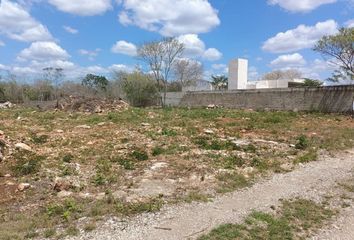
[
  {"x": 93, "y": 105},
  {"x": 6, "y": 105}
]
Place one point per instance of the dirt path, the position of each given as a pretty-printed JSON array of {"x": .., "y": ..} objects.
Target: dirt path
[{"x": 190, "y": 221}]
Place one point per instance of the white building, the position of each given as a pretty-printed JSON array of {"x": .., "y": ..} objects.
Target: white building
[{"x": 238, "y": 78}]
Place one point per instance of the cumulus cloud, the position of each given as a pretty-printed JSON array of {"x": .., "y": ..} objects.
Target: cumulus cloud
[
  {"x": 195, "y": 48},
  {"x": 71, "y": 30},
  {"x": 16, "y": 23},
  {"x": 300, "y": 5},
  {"x": 288, "y": 61},
  {"x": 349, "y": 23},
  {"x": 120, "y": 68},
  {"x": 43, "y": 51},
  {"x": 170, "y": 17},
  {"x": 299, "y": 38},
  {"x": 124, "y": 47},
  {"x": 212, "y": 54},
  {"x": 91, "y": 54},
  {"x": 82, "y": 7}
]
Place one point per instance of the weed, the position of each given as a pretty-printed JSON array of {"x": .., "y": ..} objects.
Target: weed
[
  {"x": 307, "y": 157},
  {"x": 156, "y": 151},
  {"x": 302, "y": 142},
  {"x": 140, "y": 155},
  {"x": 295, "y": 218},
  {"x": 168, "y": 132},
  {"x": 48, "y": 233},
  {"x": 229, "y": 182},
  {"x": 39, "y": 139},
  {"x": 67, "y": 158},
  {"x": 26, "y": 163}
]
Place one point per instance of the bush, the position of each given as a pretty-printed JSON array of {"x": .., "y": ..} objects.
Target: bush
[
  {"x": 302, "y": 142},
  {"x": 140, "y": 90}
]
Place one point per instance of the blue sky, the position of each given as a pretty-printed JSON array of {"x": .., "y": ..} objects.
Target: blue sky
[{"x": 101, "y": 36}]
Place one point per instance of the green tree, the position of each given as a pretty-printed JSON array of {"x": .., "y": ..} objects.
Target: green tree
[
  {"x": 139, "y": 88},
  {"x": 95, "y": 83},
  {"x": 312, "y": 83},
  {"x": 339, "y": 50},
  {"x": 219, "y": 82}
]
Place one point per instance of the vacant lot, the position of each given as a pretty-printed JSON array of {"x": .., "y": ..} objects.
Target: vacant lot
[{"x": 79, "y": 167}]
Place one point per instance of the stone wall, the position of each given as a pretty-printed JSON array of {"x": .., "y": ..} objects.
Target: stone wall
[{"x": 325, "y": 99}]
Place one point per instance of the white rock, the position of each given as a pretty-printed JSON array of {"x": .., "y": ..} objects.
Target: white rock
[
  {"x": 59, "y": 131},
  {"x": 23, "y": 186},
  {"x": 208, "y": 131},
  {"x": 145, "y": 124},
  {"x": 23, "y": 146},
  {"x": 158, "y": 165},
  {"x": 64, "y": 194},
  {"x": 83, "y": 126}
]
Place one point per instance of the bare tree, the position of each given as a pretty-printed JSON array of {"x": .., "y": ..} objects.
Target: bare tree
[
  {"x": 279, "y": 74},
  {"x": 161, "y": 56},
  {"x": 187, "y": 72},
  {"x": 55, "y": 76}
]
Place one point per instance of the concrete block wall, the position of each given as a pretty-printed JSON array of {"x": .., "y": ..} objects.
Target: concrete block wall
[{"x": 337, "y": 99}]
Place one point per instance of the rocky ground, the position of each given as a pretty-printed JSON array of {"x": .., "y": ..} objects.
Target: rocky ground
[
  {"x": 316, "y": 181},
  {"x": 66, "y": 172}
]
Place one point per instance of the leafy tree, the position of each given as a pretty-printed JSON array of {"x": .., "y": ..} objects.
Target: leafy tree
[
  {"x": 96, "y": 83},
  {"x": 312, "y": 83},
  {"x": 161, "y": 56},
  {"x": 140, "y": 89},
  {"x": 220, "y": 82},
  {"x": 339, "y": 50}
]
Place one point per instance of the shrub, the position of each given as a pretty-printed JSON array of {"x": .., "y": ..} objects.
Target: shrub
[
  {"x": 26, "y": 163},
  {"x": 140, "y": 89},
  {"x": 302, "y": 142}
]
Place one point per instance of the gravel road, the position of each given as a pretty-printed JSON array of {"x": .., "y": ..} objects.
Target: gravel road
[{"x": 188, "y": 221}]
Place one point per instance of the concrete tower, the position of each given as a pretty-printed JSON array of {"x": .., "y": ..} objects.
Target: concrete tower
[{"x": 238, "y": 74}]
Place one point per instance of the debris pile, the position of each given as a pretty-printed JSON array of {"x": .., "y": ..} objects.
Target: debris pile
[
  {"x": 6, "y": 105},
  {"x": 93, "y": 105}
]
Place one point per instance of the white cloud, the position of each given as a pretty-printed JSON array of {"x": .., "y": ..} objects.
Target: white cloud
[
  {"x": 349, "y": 23},
  {"x": 299, "y": 38},
  {"x": 91, "y": 54},
  {"x": 300, "y": 5},
  {"x": 212, "y": 54},
  {"x": 170, "y": 17},
  {"x": 124, "y": 47},
  {"x": 16, "y": 23},
  {"x": 288, "y": 61},
  {"x": 71, "y": 30},
  {"x": 82, "y": 7},
  {"x": 43, "y": 51},
  {"x": 120, "y": 68},
  {"x": 195, "y": 48},
  {"x": 2, "y": 44}
]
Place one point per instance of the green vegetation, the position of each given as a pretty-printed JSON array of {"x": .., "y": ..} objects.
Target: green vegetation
[
  {"x": 294, "y": 220},
  {"x": 26, "y": 163}
]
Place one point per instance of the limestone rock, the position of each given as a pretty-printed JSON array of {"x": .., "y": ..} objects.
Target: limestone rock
[
  {"x": 64, "y": 194},
  {"x": 23, "y": 186},
  {"x": 83, "y": 126},
  {"x": 22, "y": 146},
  {"x": 208, "y": 131},
  {"x": 61, "y": 185}
]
